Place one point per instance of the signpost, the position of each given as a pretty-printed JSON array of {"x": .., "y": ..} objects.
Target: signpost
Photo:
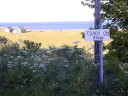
[{"x": 98, "y": 35}]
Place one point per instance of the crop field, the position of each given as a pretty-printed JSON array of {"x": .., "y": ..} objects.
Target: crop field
[{"x": 51, "y": 37}]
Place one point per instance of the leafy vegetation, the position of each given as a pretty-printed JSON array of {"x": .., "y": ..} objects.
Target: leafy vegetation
[
  {"x": 115, "y": 13},
  {"x": 64, "y": 71},
  {"x": 30, "y": 45}
]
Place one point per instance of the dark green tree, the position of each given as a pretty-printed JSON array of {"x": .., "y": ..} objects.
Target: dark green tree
[{"x": 115, "y": 12}]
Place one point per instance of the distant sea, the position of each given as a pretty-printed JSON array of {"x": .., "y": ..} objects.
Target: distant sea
[{"x": 50, "y": 25}]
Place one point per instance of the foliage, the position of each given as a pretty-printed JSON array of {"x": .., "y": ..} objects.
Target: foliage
[
  {"x": 115, "y": 79},
  {"x": 119, "y": 47},
  {"x": 119, "y": 20},
  {"x": 8, "y": 46},
  {"x": 30, "y": 45},
  {"x": 43, "y": 72},
  {"x": 82, "y": 34},
  {"x": 115, "y": 12},
  {"x": 64, "y": 71},
  {"x": 70, "y": 53}
]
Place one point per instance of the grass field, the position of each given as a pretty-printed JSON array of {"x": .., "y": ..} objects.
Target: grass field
[{"x": 52, "y": 37}]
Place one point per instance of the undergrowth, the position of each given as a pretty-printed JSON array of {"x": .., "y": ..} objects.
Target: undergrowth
[{"x": 64, "y": 71}]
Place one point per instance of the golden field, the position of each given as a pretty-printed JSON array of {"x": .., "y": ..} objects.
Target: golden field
[{"x": 51, "y": 37}]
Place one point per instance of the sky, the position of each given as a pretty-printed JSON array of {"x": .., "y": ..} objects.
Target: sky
[{"x": 44, "y": 11}]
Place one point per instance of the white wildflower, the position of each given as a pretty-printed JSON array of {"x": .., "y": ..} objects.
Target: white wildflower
[
  {"x": 19, "y": 57},
  {"x": 5, "y": 54},
  {"x": 121, "y": 67},
  {"x": 82, "y": 56},
  {"x": 33, "y": 70},
  {"x": 126, "y": 72},
  {"x": 39, "y": 59},
  {"x": 11, "y": 57},
  {"x": 37, "y": 75},
  {"x": 125, "y": 64},
  {"x": 38, "y": 52},
  {"x": 65, "y": 61},
  {"x": 24, "y": 51},
  {"x": 66, "y": 65},
  {"x": 32, "y": 56},
  {"x": 31, "y": 67},
  {"x": 24, "y": 63},
  {"x": 35, "y": 64},
  {"x": 16, "y": 59},
  {"x": 31, "y": 79},
  {"x": 21, "y": 86},
  {"x": 9, "y": 61},
  {"x": 9, "y": 65},
  {"x": 48, "y": 61},
  {"x": 51, "y": 59},
  {"x": 42, "y": 65},
  {"x": 43, "y": 55},
  {"x": 72, "y": 48}
]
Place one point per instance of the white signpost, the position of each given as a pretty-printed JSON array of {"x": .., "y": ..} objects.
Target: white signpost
[{"x": 97, "y": 35}]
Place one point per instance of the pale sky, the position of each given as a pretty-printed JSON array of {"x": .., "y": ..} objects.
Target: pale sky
[{"x": 44, "y": 11}]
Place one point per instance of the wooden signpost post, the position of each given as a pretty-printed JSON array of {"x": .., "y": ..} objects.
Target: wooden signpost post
[{"x": 98, "y": 35}]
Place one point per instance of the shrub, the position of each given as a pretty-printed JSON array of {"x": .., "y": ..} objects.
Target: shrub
[
  {"x": 30, "y": 45},
  {"x": 115, "y": 79},
  {"x": 7, "y": 46},
  {"x": 64, "y": 71}
]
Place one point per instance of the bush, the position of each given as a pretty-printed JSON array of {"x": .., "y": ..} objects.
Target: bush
[
  {"x": 118, "y": 47},
  {"x": 64, "y": 71},
  {"x": 30, "y": 45},
  {"x": 7, "y": 46},
  {"x": 115, "y": 79}
]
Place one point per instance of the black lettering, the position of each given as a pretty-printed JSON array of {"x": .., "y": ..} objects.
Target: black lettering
[
  {"x": 98, "y": 32},
  {"x": 98, "y": 38},
  {"x": 89, "y": 33},
  {"x": 106, "y": 33},
  {"x": 93, "y": 33}
]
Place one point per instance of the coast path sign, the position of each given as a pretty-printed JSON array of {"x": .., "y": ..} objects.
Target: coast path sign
[{"x": 97, "y": 35}]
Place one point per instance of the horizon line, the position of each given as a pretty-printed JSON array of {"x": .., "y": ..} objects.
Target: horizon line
[{"x": 45, "y": 21}]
